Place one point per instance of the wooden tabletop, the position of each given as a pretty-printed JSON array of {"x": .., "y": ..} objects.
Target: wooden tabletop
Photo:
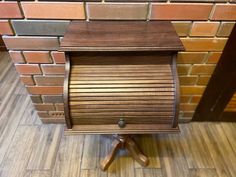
[{"x": 121, "y": 36}]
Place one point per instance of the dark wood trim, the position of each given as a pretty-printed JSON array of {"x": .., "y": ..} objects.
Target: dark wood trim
[
  {"x": 227, "y": 116},
  {"x": 177, "y": 91},
  {"x": 65, "y": 95},
  {"x": 221, "y": 86},
  {"x": 129, "y": 129},
  {"x": 2, "y": 45}
]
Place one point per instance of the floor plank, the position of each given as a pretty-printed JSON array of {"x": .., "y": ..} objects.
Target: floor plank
[
  {"x": 45, "y": 148},
  {"x": 90, "y": 159},
  {"x": 150, "y": 172},
  {"x": 17, "y": 156},
  {"x": 68, "y": 161},
  {"x": 203, "y": 173},
  {"x": 9, "y": 121},
  {"x": 40, "y": 173},
  {"x": 195, "y": 148},
  {"x": 220, "y": 162},
  {"x": 173, "y": 161},
  {"x": 149, "y": 147},
  {"x": 229, "y": 129}
]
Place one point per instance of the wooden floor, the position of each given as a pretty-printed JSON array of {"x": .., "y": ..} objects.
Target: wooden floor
[{"x": 30, "y": 149}]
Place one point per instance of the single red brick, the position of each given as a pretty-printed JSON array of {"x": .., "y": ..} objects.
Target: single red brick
[
  {"x": 17, "y": 57},
  {"x": 36, "y": 98},
  {"x": 214, "y": 57},
  {"x": 59, "y": 106},
  {"x": 43, "y": 114},
  {"x": 44, "y": 107},
  {"x": 203, "y": 80},
  {"x": 5, "y": 28},
  {"x": 46, "y": 90},
  {"x": 182, "y": 28},
  {"x": 58, "y": 57},
  {"x": 28, "y": 68},
  {"x": 203, "y": 69},
  {"x": 53, "y": 69},
  {"x": 204, "y": 28},
  {"x": 188, "y": 80},
  {"x": 192, "y": 90},
  {"x": 27, "y": 80},
  {"x": 191, "y": 57},
  {"x": 185, "y": 98},
  {"x": 10, "y": 10},
  {"x": 37, "y": 56},
  {"x": 49, "y": 80},
  {"x": 183, "y": 69},
  {"x": 224, "y": 12},
  {"x": 196, "y": 99},
  {"x": 180, "y": 11},
  {"x": 188, "y": 107},
  {"x": 31, "y": 43},
  {"x": 204, "y": 44},
  {"x": 53, "y": 10}
]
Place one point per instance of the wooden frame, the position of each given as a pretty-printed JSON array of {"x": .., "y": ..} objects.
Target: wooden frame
[{"x": 221, "y": 86}]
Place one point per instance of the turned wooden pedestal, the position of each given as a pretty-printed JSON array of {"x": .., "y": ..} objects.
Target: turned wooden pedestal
[
  {"x": 121, "y": 79},
  {"x": 127, "y": 142}
]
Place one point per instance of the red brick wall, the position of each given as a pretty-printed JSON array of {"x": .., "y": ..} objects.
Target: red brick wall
[{"x": 203, "y": 27}]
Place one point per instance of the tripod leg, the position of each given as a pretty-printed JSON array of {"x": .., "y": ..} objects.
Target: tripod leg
[
  {"x": 135, "y": 152},
  {"x": 116, "y": 144}
]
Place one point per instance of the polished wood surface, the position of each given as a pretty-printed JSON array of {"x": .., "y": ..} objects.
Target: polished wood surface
[
  {"x": 32, "y": 149},
  {"x": 121, "y": 36}
]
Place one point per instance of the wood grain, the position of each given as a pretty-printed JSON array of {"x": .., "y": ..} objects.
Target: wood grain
[{"x": 122, "y": 35}]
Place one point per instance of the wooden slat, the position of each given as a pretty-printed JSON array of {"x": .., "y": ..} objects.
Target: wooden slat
[
  {"x": 81, "y": 82},
  {"x": 149, "y": 102},
  {"x": 122, "y": 86},
  {"x": 120, "y": 98},
  {"x": 132, "y": 74},
  {"x": 127, "y": 78},
  {"x": 121, "y": 114},
  {"x": 133, "y": 106},
  {"x": 121, "y": 90},
  {"x": 73, "y": 110},
  {"x": 121, "y": 68},
  {"x": 123, "y": 94}
]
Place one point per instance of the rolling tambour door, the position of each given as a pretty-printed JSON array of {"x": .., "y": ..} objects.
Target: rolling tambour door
[{"x": 134, "y": 87}]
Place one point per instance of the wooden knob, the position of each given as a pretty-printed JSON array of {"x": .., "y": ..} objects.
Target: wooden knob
[{"x": 121, "y": 123}]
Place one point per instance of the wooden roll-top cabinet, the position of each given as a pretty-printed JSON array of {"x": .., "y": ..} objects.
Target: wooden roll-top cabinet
[{"x": 121, "y": 77}]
